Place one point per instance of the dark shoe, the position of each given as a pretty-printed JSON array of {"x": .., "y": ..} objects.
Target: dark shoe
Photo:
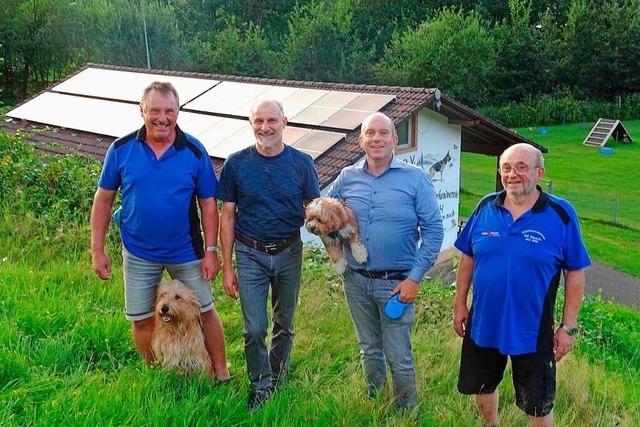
[{"x": 257, "y": 398}]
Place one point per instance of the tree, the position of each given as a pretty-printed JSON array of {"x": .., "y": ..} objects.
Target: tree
[
  {"x": 321, "y": 45},
  {"x": 454, "y": 52},
  {"x": 233, "y": 50}
]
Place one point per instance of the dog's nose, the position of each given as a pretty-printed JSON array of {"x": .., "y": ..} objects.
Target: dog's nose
[{"x": 164, "y": 309}]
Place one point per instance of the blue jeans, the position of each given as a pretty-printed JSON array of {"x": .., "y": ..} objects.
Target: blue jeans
[
  {"x": 382, "y": 338},
  {"x": 257, "y": 272}
]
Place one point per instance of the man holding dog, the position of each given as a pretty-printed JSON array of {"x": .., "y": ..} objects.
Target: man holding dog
[
  {"x": 514, "y": 247},
  {"x": 395, "y": 207},
  {"x": 264, "y": 189},
  {"x": 161, "y": 172}
]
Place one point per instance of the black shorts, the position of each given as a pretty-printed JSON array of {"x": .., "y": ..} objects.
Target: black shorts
[{"x": 534, "y": 376}]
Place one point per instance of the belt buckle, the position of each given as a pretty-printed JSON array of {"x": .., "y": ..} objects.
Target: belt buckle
[{"x": 271, "y": 248}]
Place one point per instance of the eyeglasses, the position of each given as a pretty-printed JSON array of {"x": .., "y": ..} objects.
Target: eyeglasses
[{"x": 519, "y": 167}]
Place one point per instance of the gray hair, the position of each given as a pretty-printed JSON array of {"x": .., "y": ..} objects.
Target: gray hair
[
  {"x": 163, "y": 88},
  {"x": 260, "y": 102},
  {"x": 530, "y": 148}
]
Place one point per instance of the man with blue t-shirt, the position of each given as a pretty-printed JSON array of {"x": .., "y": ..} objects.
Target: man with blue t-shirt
[
  {"x": 515, "y": 247},
  {"x": 163, "y": 174},
  {"x": 396, "y": 208},
  {"x": 264, "y": 189}
]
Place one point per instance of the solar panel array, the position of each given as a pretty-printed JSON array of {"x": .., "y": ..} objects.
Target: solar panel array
[{"x": 106, "y": 102}]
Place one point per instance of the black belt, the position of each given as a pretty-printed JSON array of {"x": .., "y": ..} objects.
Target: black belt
[
  {"x": 384, "y": 274},
  {"x": 271, "y": 248}
]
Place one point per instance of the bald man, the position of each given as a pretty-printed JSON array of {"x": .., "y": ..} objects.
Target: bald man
[
  {"x": 264, "y": 189},
  {"x": 396, "y": 207},
  {"x": 515, "y": 247}
]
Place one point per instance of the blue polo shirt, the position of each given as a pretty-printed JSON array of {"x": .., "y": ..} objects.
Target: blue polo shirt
[
  {"x": 394, "y": 211},
  {"x": 516, "y": 270},
  {"x": 159, "y": 218}
]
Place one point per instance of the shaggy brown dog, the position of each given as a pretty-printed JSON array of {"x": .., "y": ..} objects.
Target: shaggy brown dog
[
  {"x": 332, "y": 220},
  {"x": 177, "y": 341}
]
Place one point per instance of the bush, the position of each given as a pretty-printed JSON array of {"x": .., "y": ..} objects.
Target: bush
[{"x": 547, "y": 110}]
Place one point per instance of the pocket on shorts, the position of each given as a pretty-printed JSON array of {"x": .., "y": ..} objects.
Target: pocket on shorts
[{"x": 295, "y": 249}]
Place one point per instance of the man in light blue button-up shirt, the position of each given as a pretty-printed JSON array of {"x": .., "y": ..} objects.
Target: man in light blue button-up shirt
[{"x": 401, "y": 226}]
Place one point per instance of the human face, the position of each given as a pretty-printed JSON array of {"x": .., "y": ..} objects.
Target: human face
[
  {"x": 268, "y": 123},
  {"x": 377, "y": 139},
  {"x": 160, "y": 114},
  {"x": 523, "y": 173}
]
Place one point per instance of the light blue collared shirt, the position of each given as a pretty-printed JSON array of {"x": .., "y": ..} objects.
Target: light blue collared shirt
[{"x": 395, "y": 211}]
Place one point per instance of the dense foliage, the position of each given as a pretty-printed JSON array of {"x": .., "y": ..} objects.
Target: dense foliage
[{"x": 484, "y": 53}]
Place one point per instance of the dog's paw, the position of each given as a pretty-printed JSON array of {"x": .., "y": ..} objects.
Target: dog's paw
[
  {"x": 359, "y": 252},
  {"x": 340, "y": 266}
]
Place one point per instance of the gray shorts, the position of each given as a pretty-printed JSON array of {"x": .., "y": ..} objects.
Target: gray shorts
[{"x": 141, "y": 279}]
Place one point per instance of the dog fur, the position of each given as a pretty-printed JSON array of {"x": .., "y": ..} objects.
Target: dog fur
[
  {"x": 333, "y": 221},
  {"x": 177, "y": 341}
]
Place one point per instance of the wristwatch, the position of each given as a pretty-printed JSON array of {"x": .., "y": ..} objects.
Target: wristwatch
[
  {"x": 214, "y": 248},
  {"x": 568, "y": 329}
]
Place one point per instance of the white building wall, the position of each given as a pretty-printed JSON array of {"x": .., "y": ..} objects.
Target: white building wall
[{"x": 436, "y": 138}]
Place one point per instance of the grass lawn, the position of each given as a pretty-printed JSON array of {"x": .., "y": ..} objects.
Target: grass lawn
[
  {"x": 603, "y": 188},
  {"x": 66, "y": 358}
]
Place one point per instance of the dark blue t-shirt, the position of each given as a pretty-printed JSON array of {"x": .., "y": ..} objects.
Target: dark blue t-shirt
[
  {"x": 159, "y": 218},
  {"x": 516, "y": 270},
  {"x": 269, "y": 192}
]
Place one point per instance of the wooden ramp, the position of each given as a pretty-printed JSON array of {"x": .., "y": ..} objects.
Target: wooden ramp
[{"x": 605, "y": 129}]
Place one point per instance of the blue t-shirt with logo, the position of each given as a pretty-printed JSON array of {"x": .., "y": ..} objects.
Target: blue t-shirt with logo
[
  {"x": 269, "y": 192},
  {"x": 159, "y": 219},
  {"x": 516, "y": 270}
]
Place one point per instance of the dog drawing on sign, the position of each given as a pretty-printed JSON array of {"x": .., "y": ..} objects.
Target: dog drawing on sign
[
  {"x": 333, "y": 221},
  {"x": 440, "y": 166},
  {"x": 177, "y": 341}
]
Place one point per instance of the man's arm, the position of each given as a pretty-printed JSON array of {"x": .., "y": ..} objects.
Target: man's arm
[
  {"x": 227, "y": 238},
  {"x": 463, "y": 284},
  {"x": 100, "y": 217},
  {"x": 573, "y": 292},
  {"x": 209, "y": 211}
]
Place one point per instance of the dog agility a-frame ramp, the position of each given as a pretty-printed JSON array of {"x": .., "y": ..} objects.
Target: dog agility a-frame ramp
[{"x": 605, "y": 129}]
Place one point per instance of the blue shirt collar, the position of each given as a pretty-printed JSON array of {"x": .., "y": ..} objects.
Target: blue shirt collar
[
  {"x": 540, "y": 204},
  {"x": 395, "y": 164},
  {"x": 178, "y": 143}
]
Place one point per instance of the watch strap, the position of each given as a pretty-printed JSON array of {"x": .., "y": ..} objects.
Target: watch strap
[{"x": 568, "y": 329}]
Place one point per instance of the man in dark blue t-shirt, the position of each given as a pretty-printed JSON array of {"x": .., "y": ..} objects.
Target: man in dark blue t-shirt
[
  {"x": 162, "y": 174},
  {"x": 264, "y": 189},
  {"x": 514, "y": 247}
]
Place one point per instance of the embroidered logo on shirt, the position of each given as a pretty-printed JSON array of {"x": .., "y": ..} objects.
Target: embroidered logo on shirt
[
  {"x": 490, "y": 233},
  {"x": 533, "y": 236}
]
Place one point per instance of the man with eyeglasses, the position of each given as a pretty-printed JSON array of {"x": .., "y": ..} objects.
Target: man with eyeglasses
[{"x": 514, "y": 248}]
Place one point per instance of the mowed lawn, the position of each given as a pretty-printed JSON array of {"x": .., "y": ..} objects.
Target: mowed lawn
[{"x": 605, "y": 189}]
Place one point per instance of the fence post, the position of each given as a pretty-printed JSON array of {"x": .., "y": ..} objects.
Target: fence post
[{"x": 616, "y": 212}]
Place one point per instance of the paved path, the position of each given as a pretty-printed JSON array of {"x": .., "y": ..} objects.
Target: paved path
[
  {"x": 600, "y": 279},
  {"x": 613, "y": 284}
]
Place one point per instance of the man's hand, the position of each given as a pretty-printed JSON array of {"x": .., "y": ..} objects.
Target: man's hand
[
  {"x": 408, "y": 290},
  {"x": 210, "y": 266},
  {"x": 101, "y": 265},
  {"x": 230, "y": 282},
  {"x": 460, "y": 318},
  {"x": 562, "y": 343}
]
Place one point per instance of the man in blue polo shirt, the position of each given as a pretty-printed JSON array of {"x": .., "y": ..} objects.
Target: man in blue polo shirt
[
  {"x": 515, "y": 247},
  {"x": 396, "y": 207},
  {"x": 163, "y": 174},
  {"x": 264, "y": 189}
]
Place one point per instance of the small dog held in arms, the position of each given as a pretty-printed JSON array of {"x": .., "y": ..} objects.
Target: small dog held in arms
[
  {"x": 333, "y": 221},
  {"x": 177, "y": 341}
]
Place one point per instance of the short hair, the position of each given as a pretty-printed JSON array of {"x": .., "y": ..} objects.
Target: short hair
[
  {"x": 264, "y": 101},
  {"x": 530, "y": 148},
  {"x": 366, "y": 120},
  {"x": 163, "y": 88}
]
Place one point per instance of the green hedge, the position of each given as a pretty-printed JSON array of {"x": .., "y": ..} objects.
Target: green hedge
[{"x": 564, "y": 109}]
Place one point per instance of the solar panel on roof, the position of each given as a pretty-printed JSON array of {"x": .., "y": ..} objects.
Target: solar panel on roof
[
  {"x": 369, "y": 102},
  {"x": 319, "y": 141},
  {"x": 91, "y": 115},
  {"x": 128, "y": 86},
  {"x": 227, "y": 97},
  {"x": 313, "y": 115},
  {"x": 336, "y": 99},
  {"x": 346, "y": 119}
]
